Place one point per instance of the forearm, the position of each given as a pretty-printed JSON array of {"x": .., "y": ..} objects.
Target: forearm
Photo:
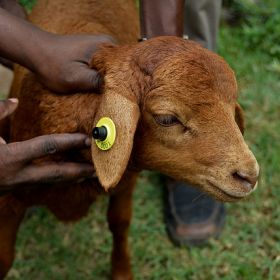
[
  {"x": 22, "y": 41},
  {"x": 161, "y": 17},
  {"x": 13, "y": 7}
]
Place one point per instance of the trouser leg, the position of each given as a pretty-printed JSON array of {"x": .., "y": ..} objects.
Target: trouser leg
[{"x": 201, "y": 21}]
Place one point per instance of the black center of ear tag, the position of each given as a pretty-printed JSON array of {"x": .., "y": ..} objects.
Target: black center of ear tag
[
  {"x": 104, "y": 133},
  {"x": 99, "y": 133}
]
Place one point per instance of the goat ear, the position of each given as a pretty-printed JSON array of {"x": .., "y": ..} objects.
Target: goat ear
[
  {"x": 124, "y": 112},
  {"x": 239, "y": 117}
]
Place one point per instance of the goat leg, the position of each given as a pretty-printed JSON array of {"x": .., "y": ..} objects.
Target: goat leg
[
  {"x": 119, "y": 216},
  {"x": 10, "y": 218}
]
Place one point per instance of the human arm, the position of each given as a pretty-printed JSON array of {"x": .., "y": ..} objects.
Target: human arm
[
  {"x": 13, "y": 7},
  {"x": 68, "y": 56}
]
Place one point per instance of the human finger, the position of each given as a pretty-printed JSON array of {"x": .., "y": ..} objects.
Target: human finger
[
  {"x": 52, "y": 173},
  {"x": 87, "y": 79},
  {"x": 2, "y": 141},
  {"x": 46, "y": 145},
  {"x": 7, "y": 107}
]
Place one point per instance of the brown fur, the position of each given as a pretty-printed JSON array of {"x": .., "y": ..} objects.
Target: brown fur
[{"x": 166, "y": 75}]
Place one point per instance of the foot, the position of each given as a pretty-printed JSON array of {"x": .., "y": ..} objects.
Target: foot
[{"x": 192, "y": 217}]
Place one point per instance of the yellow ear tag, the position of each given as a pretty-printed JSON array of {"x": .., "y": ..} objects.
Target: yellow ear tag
[{"x": 104, "y": 133}]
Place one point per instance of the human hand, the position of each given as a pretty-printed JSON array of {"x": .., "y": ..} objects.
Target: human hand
[
  {"x": 64, "y": 64},
  {"x": 17, "y": 169}
]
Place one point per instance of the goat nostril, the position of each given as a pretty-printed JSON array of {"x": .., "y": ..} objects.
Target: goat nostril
[{"x": 249, "y": 181}]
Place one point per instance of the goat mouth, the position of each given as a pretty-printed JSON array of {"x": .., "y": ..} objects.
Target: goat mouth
[{"x": 223, "y": 192}]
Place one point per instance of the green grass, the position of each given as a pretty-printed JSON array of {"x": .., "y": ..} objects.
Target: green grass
[
  {"x": 28, "y": 4},
  {"x": 249, "y": 247}
]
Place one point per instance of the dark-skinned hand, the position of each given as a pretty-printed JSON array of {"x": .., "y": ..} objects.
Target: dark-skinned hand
[
  {"x": 63, "y": 65},
  {"x": 17, "y": 169},
  {"x": 62, "y": 62}
]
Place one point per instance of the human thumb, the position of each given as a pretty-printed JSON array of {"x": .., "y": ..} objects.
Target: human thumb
[
  {"x": 89, "y": 80},
  {"x": 7, "y": 107}
]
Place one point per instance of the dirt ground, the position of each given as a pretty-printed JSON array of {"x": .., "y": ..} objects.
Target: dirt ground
[{"x": 6, "y": 77}]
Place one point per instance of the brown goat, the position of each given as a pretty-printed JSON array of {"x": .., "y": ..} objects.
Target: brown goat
[{"x": 174, "y": 106}]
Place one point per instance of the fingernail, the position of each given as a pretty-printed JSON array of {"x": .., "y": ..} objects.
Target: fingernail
[
  {"x": 2, "y": 141},
  {"x": 88, "y": 142},
  {"x": 14, "y": 100}
]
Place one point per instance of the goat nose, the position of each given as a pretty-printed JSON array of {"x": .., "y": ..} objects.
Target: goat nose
[{"x": 248, "y": 181}]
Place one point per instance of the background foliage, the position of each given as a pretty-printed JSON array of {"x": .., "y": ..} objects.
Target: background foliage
[
  {"x": 249, "y": 247},
  {"x": 260, "y": 23}
]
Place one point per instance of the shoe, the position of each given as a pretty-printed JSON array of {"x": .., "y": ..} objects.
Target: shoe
[{"x": 192, "y": 217}]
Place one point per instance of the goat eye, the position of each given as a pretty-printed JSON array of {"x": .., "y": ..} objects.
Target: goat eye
[{"x": 166, "y": 120}]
